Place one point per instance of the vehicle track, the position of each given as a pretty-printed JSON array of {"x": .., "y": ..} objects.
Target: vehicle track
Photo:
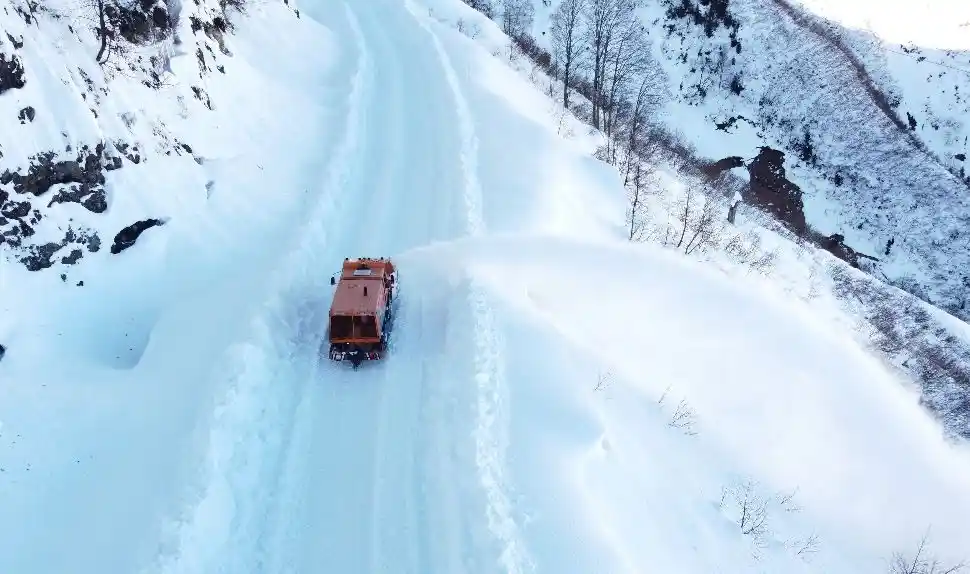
[
  {"x": 492, "y": 415},
  {"x": 354, "y": 501},
  {"x": 396, "y": 467},
  {"x": 250, "y": 430}
]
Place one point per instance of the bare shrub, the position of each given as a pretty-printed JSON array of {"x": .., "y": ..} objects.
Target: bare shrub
[
  {"x": 683, "y": 418},
  {"x": 642, "y": 184},
  {"x": 921, "y": 562},
  {"x": 748, "y": 509},
  {"x": 804, "y": 548},
  {"x": 603, "y": 381},
  {"x": 899, "y": 327}
]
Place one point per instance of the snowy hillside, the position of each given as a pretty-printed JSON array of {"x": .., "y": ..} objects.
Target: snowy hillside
[
  {"x": 874, "y": 132},
  {"x": 876, "y": 154},
  {"x": 104, "y": 140},
  {"x": 556, "y": 398}
]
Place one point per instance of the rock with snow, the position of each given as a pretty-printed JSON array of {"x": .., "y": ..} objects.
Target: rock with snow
[
  {"x": 11, "y": 73},
  {"x": 129, "y": 235},
  {"x": 771, "y": 190}
]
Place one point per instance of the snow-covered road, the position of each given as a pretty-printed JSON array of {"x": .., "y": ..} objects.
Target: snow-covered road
[{"x": 361, "y": 471}]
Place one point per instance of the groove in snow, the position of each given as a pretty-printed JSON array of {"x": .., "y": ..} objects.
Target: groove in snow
[
  {"x": 492, "y": 424},
  {"x": 221, "y": 529}
]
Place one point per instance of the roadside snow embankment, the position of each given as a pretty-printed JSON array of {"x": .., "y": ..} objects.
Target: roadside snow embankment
[
  {"x": 605, "y": 341},
  {"x": 107, "y": 384}
]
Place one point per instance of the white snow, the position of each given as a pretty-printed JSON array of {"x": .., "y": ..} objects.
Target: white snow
[
  {"x": 938, "y": 24},
  {"x": 175, "y": 414}
]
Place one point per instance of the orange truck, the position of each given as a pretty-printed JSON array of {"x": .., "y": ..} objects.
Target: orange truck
[{"x": 360, "y": 314}]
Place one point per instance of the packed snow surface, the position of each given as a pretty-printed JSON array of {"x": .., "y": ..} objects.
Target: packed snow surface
[
  {"x": 939, "y": 24},
  {"x": 555, "y": 399}
]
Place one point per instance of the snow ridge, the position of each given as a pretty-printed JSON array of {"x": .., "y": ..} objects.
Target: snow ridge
[{"x": 492, "y": 426}]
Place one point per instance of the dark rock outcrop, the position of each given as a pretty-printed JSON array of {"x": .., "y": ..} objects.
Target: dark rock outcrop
[
  {"x": 835, "y": 244},
  {"x": 3, "y": 351},
  {"x": 27, "y": 114},
  {"x": 127, "y": 236},
  {"x": 140, "y": 22},
  {"x": 11, "y": 73},
  {"x": 772, "y": 191},
  {"x": 18, "y": 43},
  {"x": 40, "y": 256},
  {"x": 713, "y": 170},
  {"x": 78, "y": 179}
]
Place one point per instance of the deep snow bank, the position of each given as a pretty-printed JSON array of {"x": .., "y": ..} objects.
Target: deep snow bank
[
  {"x": 775, "y": 395},
  {"x": 107, "y": 383}
]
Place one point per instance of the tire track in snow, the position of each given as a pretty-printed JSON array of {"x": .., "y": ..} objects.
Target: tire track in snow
[
  {"x": 250, "y": 432},
  {"x": 491, "y": 431},
  {"x": 388, "y": 425},
  {"x": 308, "y": 317}
]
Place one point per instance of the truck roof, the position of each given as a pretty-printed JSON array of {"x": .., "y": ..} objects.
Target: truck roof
[
  {"x": 349, "y": 297},
  {"x": 358, "y": 276},
  {"x": 366, "y": 268}
]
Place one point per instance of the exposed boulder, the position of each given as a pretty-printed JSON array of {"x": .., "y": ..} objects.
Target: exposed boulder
[
  {"x": 127, "y": 236},
  {"x": 11, "y": 73},
  {"x": 139, "y": 22},
  {"x": 771, "y": 190},
  {"x": 27, "y": 114},
  {"x": 715, "y": 169},
  {"x": 835, "y": 244}
]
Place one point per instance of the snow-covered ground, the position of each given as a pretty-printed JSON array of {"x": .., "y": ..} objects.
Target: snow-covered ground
[
  {"x": 940, "y": 24},
  {"x": 874, "y": 128},
  {"x": 556, "y": 400}
]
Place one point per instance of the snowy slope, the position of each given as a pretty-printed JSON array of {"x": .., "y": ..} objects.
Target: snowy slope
[
  {"x": 174, "y": 414},
  {"x": 874, "y": 132}
]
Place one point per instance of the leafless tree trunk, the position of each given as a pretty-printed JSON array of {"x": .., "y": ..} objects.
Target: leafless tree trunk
[
  {"x": 634, "y": 214},
  {"x": 565, "y": 40},
  {"x": 102, "y": 31},
  {"x": 626, "y": 60},
  {"x": 637, "y": 118},
  {"x": 602, "y": 20},
  {"x": 685, "y": 217}
]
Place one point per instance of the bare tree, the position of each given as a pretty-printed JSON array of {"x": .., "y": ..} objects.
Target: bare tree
[
  {"x": 566, "y": 42},
  {"x": 517, "y": 17},
  {"x": 626, "y": 59},
  {"x": 638, "y": 116},
  {"x": 705, "y": 227},
  {"x": 637, "y": 191},
  {"x": 921, "y": 563},
  {"x": 686, "y": 205},
  {"x": 602, "y": 19}
]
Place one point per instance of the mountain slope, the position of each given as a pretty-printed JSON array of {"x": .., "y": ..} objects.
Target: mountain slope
[
  {"x": 557, "y": 398},
  {"x": 847, "y": 137}
]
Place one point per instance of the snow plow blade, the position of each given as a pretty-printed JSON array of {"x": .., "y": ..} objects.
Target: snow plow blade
[{"x": 360, "y": 313}]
